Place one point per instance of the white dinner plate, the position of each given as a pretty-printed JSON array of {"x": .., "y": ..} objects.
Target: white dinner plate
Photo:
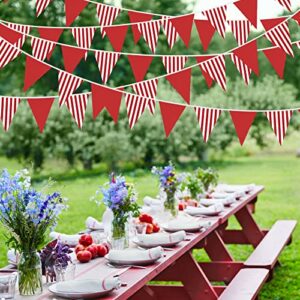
[
  {"x": 137, "y": 262},
  {"x": 153, "y": 245},
  {"x": 187, "y": 228}
]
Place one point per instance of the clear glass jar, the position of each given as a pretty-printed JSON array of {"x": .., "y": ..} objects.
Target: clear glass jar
[
  {"x": 119, "y": 238},
  {"x": 171, "y": 205}
]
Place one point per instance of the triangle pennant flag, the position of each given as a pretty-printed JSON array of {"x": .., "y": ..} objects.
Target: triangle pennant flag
[
  {"x": 240, "y": 30},
  {"x": 76, "y": 105},
  {"x": 170, "y": 113},
  {"x": 139, "y": 65},
  {"x": 249, "y": 9},
  {"x": 217, "y": 18},
  {"x": 84, "y": 37},
  {"x": 169, "y": 31},
  {"x": 277, "y": 58},
  {"x": 181, "y": 82},
  {"x": 41, "y": 5},
  {"x": 72, "y": 57},
  {"x": 7, "y": 52},
  {"x": 67, "y": 84},
  {"x": 296, "y": 17},
  {"x": 207, "y": 119},
  {"x": 116, "y": 36},
  {"x": 183, "y": 26},
  {"x": 103, "y": 97},
  {"x": 150, "y": 31},
  {"x": 73, "y": 8},
  {"x": 174, "y": 63},
  {"x": 286, "y": 4},
  {"x": 8, "y": 108},
  {"x": 242, "y": 121},
  {"x": 279, "y": 120},
  {"x": 215, "y": 68},
  {"x": 278, "y": 34},
  {"x": 106, "y": 15},
  {"x": 106, "y": 62},
  {"x": 208, "y": 79},
  {"x": 205, "y": 31},
  {"x": 136, "y": 17},
  {"x": 10, "y": 35},
  {"x": 23, "y": 31},
  {"x": 243, "y": 69},
  {"x": 40, "y": 108},
  {"x": 34, "y": 70},
  {"x": 135, "y": 107},
  {"x": 50, "y": 34},
  {"x": 40, "y": 48}
]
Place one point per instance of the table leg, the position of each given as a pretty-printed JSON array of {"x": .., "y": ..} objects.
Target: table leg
[{"x": 251, "y": 205}]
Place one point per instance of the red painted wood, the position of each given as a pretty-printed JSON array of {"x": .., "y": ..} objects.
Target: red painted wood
[
  {"x": 219, "y": 289},
  {"x": 236, "y": 236}
]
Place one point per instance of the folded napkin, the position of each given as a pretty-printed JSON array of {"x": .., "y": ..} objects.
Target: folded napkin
[
  {"x": 186, "y": 223},
  {"x": 69, "y": 239},
  {"x": 149, "y": 201},
  {"x": 88, "y": 286},
  {"x": 92, "y": 223},
  {"x": 161, "y": 238},
  {"x": 225, "y": 201},
  {"x": 213, "y": 209},
  {"x": 218, "y": 195}
]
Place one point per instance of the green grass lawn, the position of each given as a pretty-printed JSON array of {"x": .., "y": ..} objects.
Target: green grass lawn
[{"x": 279, "y": 173}]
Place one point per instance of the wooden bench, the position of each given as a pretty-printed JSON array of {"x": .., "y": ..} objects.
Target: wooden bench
[
  {"x": 245, "y": 285},
  {"x": 267, "y": 252}
]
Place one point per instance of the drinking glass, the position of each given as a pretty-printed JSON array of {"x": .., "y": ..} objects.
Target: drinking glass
[
  {"x": 64, "y": 272},
  {"x": 8, "y": 286}
]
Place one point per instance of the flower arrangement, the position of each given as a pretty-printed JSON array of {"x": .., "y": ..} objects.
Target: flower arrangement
[
  {"x": 192, "y": 183},
  {"x": 209, "y": 177}
]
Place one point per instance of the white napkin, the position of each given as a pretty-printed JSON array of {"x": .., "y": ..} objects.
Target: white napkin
[
  {"x": 13, "y": 256},
  {"x": 225, "y": 201},
  {"x": 213, "y": 209},
  {"x": 69, "y": 239},
  {"x": 219, "y": 195},
  {"x": 186, "y": 223},
  {"x": 149, "y": 201},
  {"x": 92, "y": 223},
  {"x": 161, "y": 238}
]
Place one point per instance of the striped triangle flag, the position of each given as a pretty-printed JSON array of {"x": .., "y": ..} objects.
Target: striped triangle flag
[
  {"x": 279, "y": 120},
  {"x": 286, "y": 4},
  {"x": 67, "y": 84},
  {"x": 7, "y": 52},
  {"x": 41, "y": 47},
  {"x": 217, "y": 18},
  {"x": 150, "y": 31},
  {"x": 174, "y": 63},
  {"x": 215, "y": 68},
  {"x": 169, "y": 31},
  {"x": 135, "y": 105},
  {"x": 41, "y": 5},
  {"x": 84, "y": 37},
  {"x": 243, "y": 69},
  {"x": 106, "y": 62},
  {"x": 77, "y": 104},
  {"x": 106, "y": 15},
  {"x": 240, "y": 30},
  {"x": 147, "y": 88},
  {"x": 25, "y": 29},
  {"x": 207, "y": 119},
  {"x": 8, "y": 108}
]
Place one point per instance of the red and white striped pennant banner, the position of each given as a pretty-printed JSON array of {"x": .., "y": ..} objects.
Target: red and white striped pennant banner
[
  {"x": 41, "y": 48},
  {"x": 298, "y": 44},
  {"x": 215, "y": 67},
  {"x": 169, "y": 31},
  {"x": 77, "y": 104},
  {"x": 84, "y": 37},
  {"x": 243, "y": 69},
  {"x": 240, "y": 30},
  {"x": 67, "y": 84},
  {"x": 207, "y": 119},
  {"x": 286, "y": 4},
  {"x": 174, "y": 63},
  {"x": 147, "y": 88},
  {"x": 135, "y": 107},
  {"x": 106, "y": 15},
  {"x": 8, "y": 108},
  {"x": 279, "y": 120},
  {"x": 41, "y": 5},
  {"x": 217, "y": 18},
  {"x": 25, "y": 29},
  {"x": 7, "y": 52},
  {"x": 150, "y": 31},
  {"x": 106, "y": 62}
]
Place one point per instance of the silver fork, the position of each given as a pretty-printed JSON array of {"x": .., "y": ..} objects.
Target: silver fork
[{"x": 125, "y": 266}]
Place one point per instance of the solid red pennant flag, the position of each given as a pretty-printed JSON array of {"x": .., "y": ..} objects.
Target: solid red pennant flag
[
  {"x": 150, "y": 31},
  {"x": 50, "y": 34},
  {"x": 72, "y": 57},
  {"x": 205, "y": 31},
  {"x": 169, "y": 31},
  {"x": 103, "y": 97},
  {"x": 278, "y": 34},
  {"x": 136, "y": 17},
  {"x": 248, "y": 55},
  {"x": 34, "y": 70},
  {"x": 183, "y": 26},
  {"x": 207, "y": 119},
  {"x": 40, "y": 108},
  {"x": 296, "y": 17},
  {"x": 181, "y": 81},
  {"x": 40, "y": 47},
  {"x": 116, "y": 36},
  {"x": 174, "y": 63},
  {"x": 8, "y": 108},
  {"x": 10, "y": 35},
  {"x": 215, "y": 68},
  {"x": 77, "y": 104},
  {"x": 208, "y": 79},
  {"x": 170, "y": 113},
  {"x": 106, "y": 15},
  {"x": 279, "y": 120},
  {"x": 106, "y": 62},
  {"x": 277, "y": 58},
  {"x": 249, "y": 9},
  {"x": 240, "y": 30},
  {"x": 73, "y": 8},
  {"x": 41, "y": 5},
  {"x": 7, "y": 52},
  {"x": 67, "y": 84},
  {"x": 243, "y": 69},
  {"x": 242, "y": 121},
  {"x": 217, "y": 18},
  {"x": 84, "y": 37},
  {"x": 139, "y": 65},
  {"x": 135, "y": 107},
  {"x": 23, "y": 29},
  {"x": 286, "y": 4}
]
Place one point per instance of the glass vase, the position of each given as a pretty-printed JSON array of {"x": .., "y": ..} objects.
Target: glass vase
[
  {"x": 30, "y": 274},
  {"x": 171, "y": 205},
  {"x": 119, "y": 235}
]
